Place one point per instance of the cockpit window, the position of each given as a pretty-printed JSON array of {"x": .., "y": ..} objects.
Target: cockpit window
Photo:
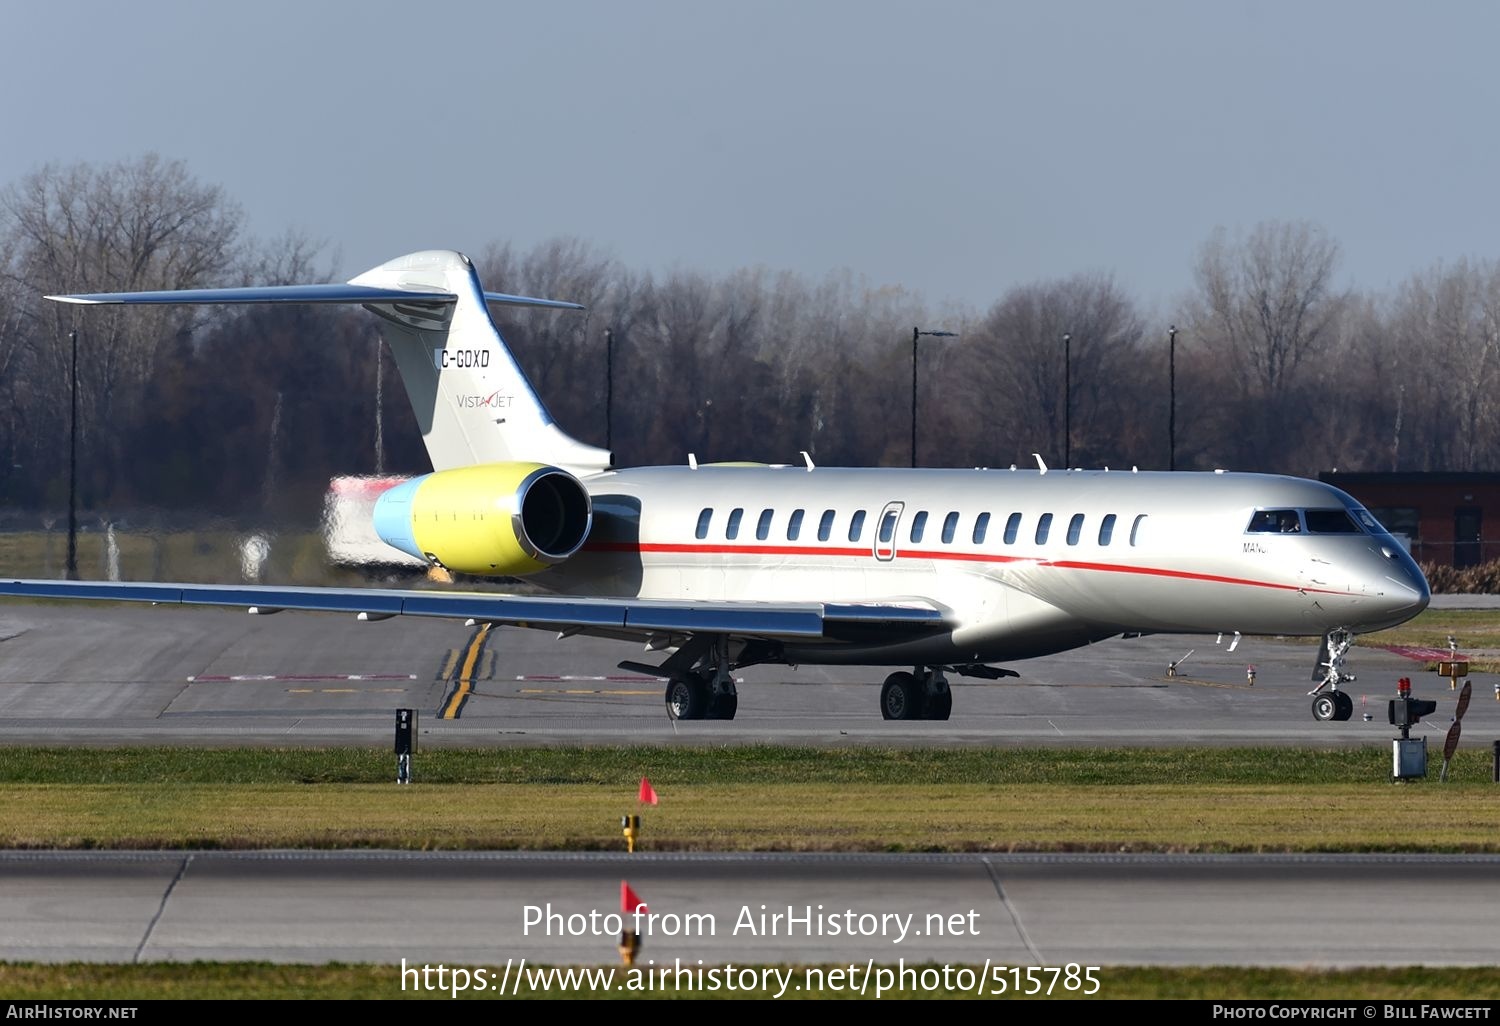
[
  {"x": 1275, "y": 521},
  {"x": 1371, "y": 524},
  {"x": 1331, "y": 521}
]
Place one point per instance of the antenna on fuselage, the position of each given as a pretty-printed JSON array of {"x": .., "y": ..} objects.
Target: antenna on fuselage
[
  {"x": 692, "y": 461},
  {"x": 1039, "y": 464},
  {"x": 807, "y": 458}
]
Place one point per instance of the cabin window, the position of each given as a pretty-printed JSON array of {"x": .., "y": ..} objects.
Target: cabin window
[
  {"x": 1135, "y": 528},
  {"x": 1012, "y": 528},
  {"x": 763, "y": 528},
  {"x": 918, "y": 525},
  {"x": 825, "y": 525},
  {"x": 1106, "y": 529},
  {"x": 950, "y": 524},
  {"x": 703, "y": 519},
  {"x": 1043, "y": 526},
  {"x": 732, "y": 529},
  {"x": 888, "y": 526},
  {"x": 981, "y": 525},
  {"x": 856, "y": 525},
  {"x": 794, "y": 525},
  {"x": 1273, "y": 521},
  {"x": 1075, "y": 528}
]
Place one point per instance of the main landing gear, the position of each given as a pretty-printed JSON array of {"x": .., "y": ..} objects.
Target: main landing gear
[
  {"x": 1328, "y": 702},
  {"x": 705, "y": 692},
  {"x": 922, "y": 695},
  {"x": 696, "y": 696}
]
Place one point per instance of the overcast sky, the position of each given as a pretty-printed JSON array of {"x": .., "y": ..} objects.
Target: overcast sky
[{"x": 956, "y": 148}]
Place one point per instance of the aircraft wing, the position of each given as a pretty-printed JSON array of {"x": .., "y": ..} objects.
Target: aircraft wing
[{"x": 753, "y": 619}]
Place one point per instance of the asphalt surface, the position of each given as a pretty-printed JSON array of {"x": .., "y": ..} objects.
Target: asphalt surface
[
  {"x": 480, "y": 910},
  {"x": 72, "y": 674}
]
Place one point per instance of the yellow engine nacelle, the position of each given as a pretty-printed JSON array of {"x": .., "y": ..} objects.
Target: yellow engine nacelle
[{"x": 495, "y": 518}]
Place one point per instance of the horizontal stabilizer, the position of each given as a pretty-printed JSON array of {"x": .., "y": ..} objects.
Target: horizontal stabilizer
[
  {"x": 333, "y": 293},
  {"x": 472, "y": 401}
]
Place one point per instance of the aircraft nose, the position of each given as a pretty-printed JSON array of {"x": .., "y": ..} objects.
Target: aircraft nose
[
  {"x": 1409, "y": 600},
  {"x": 1402, "y": 586}
]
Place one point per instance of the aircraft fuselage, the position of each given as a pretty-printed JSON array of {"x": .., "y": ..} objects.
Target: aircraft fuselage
[{"x": 1025, "y": 563}]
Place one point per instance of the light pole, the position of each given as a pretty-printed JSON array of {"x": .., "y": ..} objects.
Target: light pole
[
  {"x": 1067, "y": 400},
  {"x": 917, "y": 333},
  {"x": 379, "y": 405},
  {"x": 609, "y": 389},
  {"x": 73, "y": 466},
  {"x": 1172, "y": 397}
]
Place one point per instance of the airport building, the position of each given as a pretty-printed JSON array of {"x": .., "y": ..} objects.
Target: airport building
[{"x": 1440, "y": 516}]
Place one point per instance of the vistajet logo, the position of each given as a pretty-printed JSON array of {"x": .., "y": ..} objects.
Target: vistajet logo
[{"x": 493, "y": 401}]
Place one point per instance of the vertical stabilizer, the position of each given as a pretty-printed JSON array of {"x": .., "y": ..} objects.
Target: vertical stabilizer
[{"x": 472, "y": 400}]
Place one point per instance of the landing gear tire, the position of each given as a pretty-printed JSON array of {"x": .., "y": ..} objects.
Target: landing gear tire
[
  {"x": 939, "y": 706},
  {"x": 687, "y": 698},
  {"x": 723, "y": 707},
  {"x": 901, "y": 697},
  {"x": 1345, "y": 706},
  {"x": 1326, "y": 706}
]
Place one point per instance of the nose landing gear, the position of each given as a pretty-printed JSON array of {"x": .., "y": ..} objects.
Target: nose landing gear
[
  {"x": 1332, "y": 705},
  {"x": 1328, "y": 702}
]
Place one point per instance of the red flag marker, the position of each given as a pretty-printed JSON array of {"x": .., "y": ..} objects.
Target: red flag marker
[
  {"x": 630, "y": 902},
  {"x": 648, "y": 793}
]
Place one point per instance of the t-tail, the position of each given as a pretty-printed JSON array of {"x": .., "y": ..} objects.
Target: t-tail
[{"x": 472, "y": 400}]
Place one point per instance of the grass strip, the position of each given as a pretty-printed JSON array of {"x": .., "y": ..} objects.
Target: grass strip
[
  {"x": 739, "y": 798},
  {"x": 259, "y": 980},
  {"x": 715, "y": 816},
  {"x": 621, "y": 767}
]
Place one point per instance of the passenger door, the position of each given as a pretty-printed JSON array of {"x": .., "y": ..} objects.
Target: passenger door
[{"x": 885, "y": 531}]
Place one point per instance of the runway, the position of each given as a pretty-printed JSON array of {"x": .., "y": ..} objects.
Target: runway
[
  {"x": 141, "y": 675},
  {"x": 478, "y": 910},
  {"x": 171, "y": 675}
]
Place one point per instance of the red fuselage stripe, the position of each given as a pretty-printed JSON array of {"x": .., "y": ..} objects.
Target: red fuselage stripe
[{"x": 715, "y": 549}]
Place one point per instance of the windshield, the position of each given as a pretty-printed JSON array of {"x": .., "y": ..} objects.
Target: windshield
[
  {"x": 1331, "y": 521},
  {"x": 1372, "y": 525},
  {"x": 1275, "y": 521}
]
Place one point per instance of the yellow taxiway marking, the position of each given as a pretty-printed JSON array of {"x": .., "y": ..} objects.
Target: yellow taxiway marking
[
  {"x": 466, "y": 674},
  {"x": 449, "y": 665}
]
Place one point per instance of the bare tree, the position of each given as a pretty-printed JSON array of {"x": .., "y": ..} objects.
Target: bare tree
[
  {"x": 1446, "y": 321},
  {"x": 135, "y": 225},
  {"x": 1028, "y": 385},
  {"x": 1266, "y": 306},
  {"x": 1268, "y": 301}
]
